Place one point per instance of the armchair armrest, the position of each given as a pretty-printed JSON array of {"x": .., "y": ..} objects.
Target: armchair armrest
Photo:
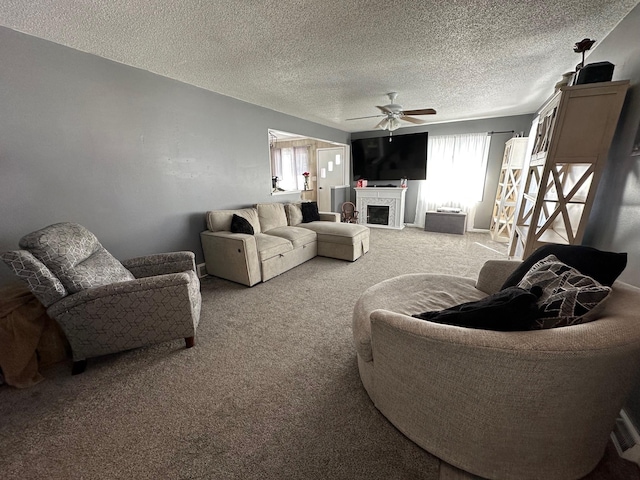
[
  {"x": 160, "y": 264},
  {"x": 134, "y": 289},
  {"x": 329, "y": 216},
  {"x": 494, "y": 273},
  {"x": 131, "y": 314}
]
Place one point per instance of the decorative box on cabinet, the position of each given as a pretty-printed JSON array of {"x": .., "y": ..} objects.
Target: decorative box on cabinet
[
  {"x": 574, "y": 132},
  {"x": 504, "y": 208}
]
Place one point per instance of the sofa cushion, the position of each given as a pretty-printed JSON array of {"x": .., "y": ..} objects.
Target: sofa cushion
[
  {"x": 75, "y": 256},
  {"x": 220, "y": 220},
  {"x": 334, "y": 232},
  {"x": 270, "y": 245},
  {"x": 271, "y": 215},
  {"x": 241, "y": 225},
  {"x": 511, "y": 309},
  {"x": 309, "y": 212},
  {"x": 296, "y": 235},
  {"x": 604, "y": 267},
  {"x": 294, "y": 214},
  {"x": 567, "y": 295}
]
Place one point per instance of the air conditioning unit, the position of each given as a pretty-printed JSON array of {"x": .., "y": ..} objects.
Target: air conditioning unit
[{"x": 626, "y": 439}]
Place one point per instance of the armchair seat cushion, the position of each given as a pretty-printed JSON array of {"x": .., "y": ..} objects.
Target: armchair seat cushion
[
  {"x": 409, "y": 294},
  {"x": 269, "y": 246}
]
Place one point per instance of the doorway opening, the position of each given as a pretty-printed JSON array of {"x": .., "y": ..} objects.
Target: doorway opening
[{"x": 326, "y": 163}]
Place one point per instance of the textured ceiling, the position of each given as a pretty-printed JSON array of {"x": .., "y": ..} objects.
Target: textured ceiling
[{"x": 329, "y": 60}]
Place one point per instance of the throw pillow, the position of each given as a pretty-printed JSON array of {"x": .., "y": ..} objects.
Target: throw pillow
[
  {"x": 241, "y": 225},
  {"x": 511, "y": 309},
  {"x": 604, "y": 267},
  {"x": 294, "y": 214},
  {"x": 309, "y": 212},
  {"x": 567, "y": 295}
]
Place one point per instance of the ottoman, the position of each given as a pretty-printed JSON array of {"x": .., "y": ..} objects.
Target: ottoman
[{"x": 345, "y": 241}]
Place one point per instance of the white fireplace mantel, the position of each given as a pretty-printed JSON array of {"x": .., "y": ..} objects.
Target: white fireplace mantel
[{"x": 391, "y": 197}]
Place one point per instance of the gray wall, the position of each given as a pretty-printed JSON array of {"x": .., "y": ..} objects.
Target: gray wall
[
  {"x": 615, "y": 218},
  {"x": 520, "y": 123},
  {"x": 135, "y": 157}
]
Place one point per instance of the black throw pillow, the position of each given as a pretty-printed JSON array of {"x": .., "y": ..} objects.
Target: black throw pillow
[
  {"x": 309, "y": 212},
  {"x": 604, "y": 267},
  {"x": 509, "y": 310},
  {"x": 241, "y": 225}
]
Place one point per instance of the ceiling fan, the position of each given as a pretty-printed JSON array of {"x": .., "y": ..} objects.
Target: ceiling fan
[{"x": 393, "y": 113}]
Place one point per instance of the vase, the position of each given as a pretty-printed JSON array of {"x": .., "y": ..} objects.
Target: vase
[{"x": 306, "y": 183}]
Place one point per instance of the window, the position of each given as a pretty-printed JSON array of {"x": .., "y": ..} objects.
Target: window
[
  {"x": 456, "y": 170},
  {"x": 287, "y": 166}
]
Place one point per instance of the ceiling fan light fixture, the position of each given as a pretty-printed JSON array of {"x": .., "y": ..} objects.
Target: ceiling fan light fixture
[
  {"x": 394, "y": 124},
  {"x": 384, "y": 123}
]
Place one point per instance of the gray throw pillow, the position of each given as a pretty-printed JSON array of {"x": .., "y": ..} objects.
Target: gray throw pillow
[{"x": 567, "y": 295}]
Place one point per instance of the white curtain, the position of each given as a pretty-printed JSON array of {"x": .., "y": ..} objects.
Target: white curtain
[
  {"x": 456, "y": 170},
  {"x": 289, "y": 164}
]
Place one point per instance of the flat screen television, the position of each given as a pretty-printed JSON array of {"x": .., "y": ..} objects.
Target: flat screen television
[{"x": 390, "y": 158}]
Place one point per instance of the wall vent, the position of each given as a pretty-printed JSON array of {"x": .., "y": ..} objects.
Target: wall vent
[
  {"x": 201, "y": 270},
  {"x": 626, "y": 439}
]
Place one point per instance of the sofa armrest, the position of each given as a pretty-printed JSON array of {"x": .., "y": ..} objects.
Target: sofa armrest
[
  {"x": 329, "y": 216},
  {"x": 160, "y": 264},
  {"x": 233, "y": 256},
  {"x": 494, "y": 273}
]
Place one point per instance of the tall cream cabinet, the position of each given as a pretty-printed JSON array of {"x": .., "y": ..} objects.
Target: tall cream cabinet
[
  {"x": 574, "y": 130},
  {"x": 504, "y": 208}
]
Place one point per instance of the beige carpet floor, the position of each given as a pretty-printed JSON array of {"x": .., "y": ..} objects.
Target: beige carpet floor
[{"x": 271, "y": 390}]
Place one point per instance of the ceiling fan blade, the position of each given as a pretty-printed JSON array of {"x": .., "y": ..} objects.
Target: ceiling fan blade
[
  {"x": 384, "y": 109},
  {"x": 360, "y": 118},
  {"x": 422, "y": 111},
  {"x": 412, "y": 120},
  {"x": 383, "y": 124}
]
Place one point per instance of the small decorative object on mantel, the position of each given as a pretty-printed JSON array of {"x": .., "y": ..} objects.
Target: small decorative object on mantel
[
  {"x": 403, "y": 182},
  {"x": 306, "y": 180}
]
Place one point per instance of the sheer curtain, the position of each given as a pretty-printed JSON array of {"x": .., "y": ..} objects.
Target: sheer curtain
[
  {"x": 456, "y": 170},
  {"x": 289, "y": 164}
]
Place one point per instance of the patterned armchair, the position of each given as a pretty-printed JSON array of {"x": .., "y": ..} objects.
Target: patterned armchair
[{"x": 102, "y": 305}]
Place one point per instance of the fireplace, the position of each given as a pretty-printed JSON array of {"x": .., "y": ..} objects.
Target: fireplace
[
  {"x": 378, "y": 214},
  {"x": 381, "y": 207}
]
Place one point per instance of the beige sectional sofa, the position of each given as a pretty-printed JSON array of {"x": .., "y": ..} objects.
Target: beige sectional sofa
[{"x": 280, "y": 241}]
